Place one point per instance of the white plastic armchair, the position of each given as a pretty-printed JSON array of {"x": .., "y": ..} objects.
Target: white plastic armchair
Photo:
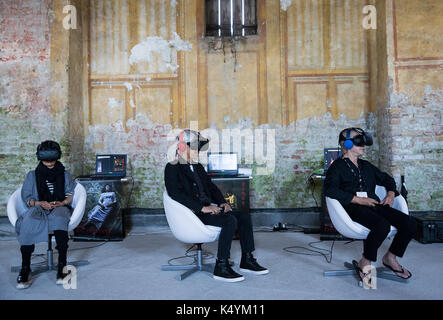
[
  {"x": 185, "y": 225},
  {"x": 16, "y": 206},
  {"x": 353, "y": 230},
  {"x": 188, "y": 228}
]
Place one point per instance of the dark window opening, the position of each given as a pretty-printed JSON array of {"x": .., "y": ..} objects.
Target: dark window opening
[{"x": 231, "y": 18}]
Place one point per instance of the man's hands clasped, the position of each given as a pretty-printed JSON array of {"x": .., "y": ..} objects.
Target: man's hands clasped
[{"x": 217, "y": 210}]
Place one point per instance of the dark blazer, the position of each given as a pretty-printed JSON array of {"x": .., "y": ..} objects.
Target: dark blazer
[
  {"x": 342, "y": 184},
  {"x": 181, "y": 186}
]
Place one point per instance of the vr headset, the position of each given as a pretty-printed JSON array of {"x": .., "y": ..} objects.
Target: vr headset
[
  {"x": 52, "y": 154},
  {"x": 193, "y": 139},
  {"x": 362, "y": 139}
]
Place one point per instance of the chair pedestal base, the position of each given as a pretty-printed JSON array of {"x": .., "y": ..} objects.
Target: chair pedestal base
[
  {"x": 39, "y": 268},
  {"x": 191, "y": 268},
  {"x": 381, "y": 273}
]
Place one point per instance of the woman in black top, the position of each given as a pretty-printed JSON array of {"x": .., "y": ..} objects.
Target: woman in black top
[{"x": 352, "y": 182}]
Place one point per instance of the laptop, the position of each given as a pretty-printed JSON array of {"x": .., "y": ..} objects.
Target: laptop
[
  {"x": 222, "y": 164},
  {"x": 109, "y": 166},
  {"x": 331, "y": 154}
]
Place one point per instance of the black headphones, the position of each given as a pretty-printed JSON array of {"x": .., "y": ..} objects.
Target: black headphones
[
  {"x": 48, "y": 151},
  {"x": 362, "y": 139}
]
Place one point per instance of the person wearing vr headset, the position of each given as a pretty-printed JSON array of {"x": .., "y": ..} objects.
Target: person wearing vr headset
[
  {"x": 188, "y": 183},
  {"x": 47, "y": 192},
  {"x": 352, "y": 182}
]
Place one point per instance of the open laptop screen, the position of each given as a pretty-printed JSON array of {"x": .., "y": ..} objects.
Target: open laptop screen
[
  {"x": 111, "y": 164},
  {"x": 222, "y": 163},
  {"x": 331, "y": 154}
]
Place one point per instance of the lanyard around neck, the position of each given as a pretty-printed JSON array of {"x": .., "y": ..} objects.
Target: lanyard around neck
[{"x": 358, "y": 176}]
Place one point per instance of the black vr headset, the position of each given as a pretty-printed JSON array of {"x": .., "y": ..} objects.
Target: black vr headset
[
  {"x": 48, "y": 151},
  {"x": 362, "y": 139}
]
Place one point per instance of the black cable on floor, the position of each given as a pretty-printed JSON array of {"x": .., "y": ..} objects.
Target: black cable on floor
[
  {"x": 7, "y": 233},
  {"x": 85, "y": 248},
  {"x": 328, "y": 256},
  {"x": 43, "y": 255}
]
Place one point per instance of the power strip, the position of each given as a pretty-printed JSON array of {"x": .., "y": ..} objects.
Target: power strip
[{"x": 280, "y": 227}]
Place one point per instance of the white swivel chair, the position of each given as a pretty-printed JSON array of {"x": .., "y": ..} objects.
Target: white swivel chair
[
  {"x": 353, "y": 230},
  {"x": 16, "y": 206},
  {"x": 188, "y": 228}
]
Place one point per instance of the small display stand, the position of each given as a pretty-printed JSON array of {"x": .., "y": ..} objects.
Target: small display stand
[
  {"x": 102, "y": 219},
  {"x": 235, "y": 190}
]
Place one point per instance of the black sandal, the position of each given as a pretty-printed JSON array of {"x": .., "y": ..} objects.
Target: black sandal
[{"x": 398, "y": 271}]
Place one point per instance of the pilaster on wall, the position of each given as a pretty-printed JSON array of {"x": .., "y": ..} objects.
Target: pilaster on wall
[
  {"x": 75, "y": 86},
  {"x": 66, "y": 102},
  {"x": 410, "y": 98},
  {"x": 383, "y": 83}
]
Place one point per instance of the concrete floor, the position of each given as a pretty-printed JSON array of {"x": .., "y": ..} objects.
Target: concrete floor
[{"x": 130, "y": 269}]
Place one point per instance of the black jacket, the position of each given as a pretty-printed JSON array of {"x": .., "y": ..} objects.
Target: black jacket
[
  {"x": 342, "y": 184},
  {"x": 181, "y": 186}
]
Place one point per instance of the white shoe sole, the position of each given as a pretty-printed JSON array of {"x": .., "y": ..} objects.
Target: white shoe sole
[
  {"x": 229, "y": 279},
  {"x": 25, "y": 285},
  {"x": 254, "y": 272}
]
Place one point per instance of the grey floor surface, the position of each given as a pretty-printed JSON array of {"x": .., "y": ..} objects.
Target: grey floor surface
[{"x": 131, "y": 269}]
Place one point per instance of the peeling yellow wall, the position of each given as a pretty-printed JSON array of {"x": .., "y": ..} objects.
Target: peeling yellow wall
[
  {"x": 311, "y": 71},
  {"x": 306, "y": 61},
  {"x": 417, "y": 46},
  {"x": 410, "y": 96}
]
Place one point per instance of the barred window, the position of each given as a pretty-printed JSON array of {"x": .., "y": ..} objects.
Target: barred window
[{"x": 231, "y": 18}]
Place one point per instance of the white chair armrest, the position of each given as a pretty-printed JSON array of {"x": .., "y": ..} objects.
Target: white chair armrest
[
  {"x": 185, "y": 225},
  {"x": 401, "y": 204},
  {"x": 15, "y": 205},
  {"x": 343, "y": 222},
  {"x": 78, "y": 204}
]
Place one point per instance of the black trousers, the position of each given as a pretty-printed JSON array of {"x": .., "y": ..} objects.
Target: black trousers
[
  {"x": 228, "y": 223},
  {"x": 61, "y": 239},
  {"x": 379, "y": 220}
]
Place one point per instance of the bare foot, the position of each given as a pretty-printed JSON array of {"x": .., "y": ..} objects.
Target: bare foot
[{"x": 390, "y": 260}]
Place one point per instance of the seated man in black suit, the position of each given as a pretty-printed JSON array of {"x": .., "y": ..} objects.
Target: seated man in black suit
[{"x": 188, "y": 183}]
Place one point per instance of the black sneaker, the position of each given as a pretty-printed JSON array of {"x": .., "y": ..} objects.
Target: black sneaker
[
  {"x": 24, "y": 278},
  {"x": 224, "y": 272},
  {"x": 249, "y": 264},
  {"x": 61, "y": 275}
]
